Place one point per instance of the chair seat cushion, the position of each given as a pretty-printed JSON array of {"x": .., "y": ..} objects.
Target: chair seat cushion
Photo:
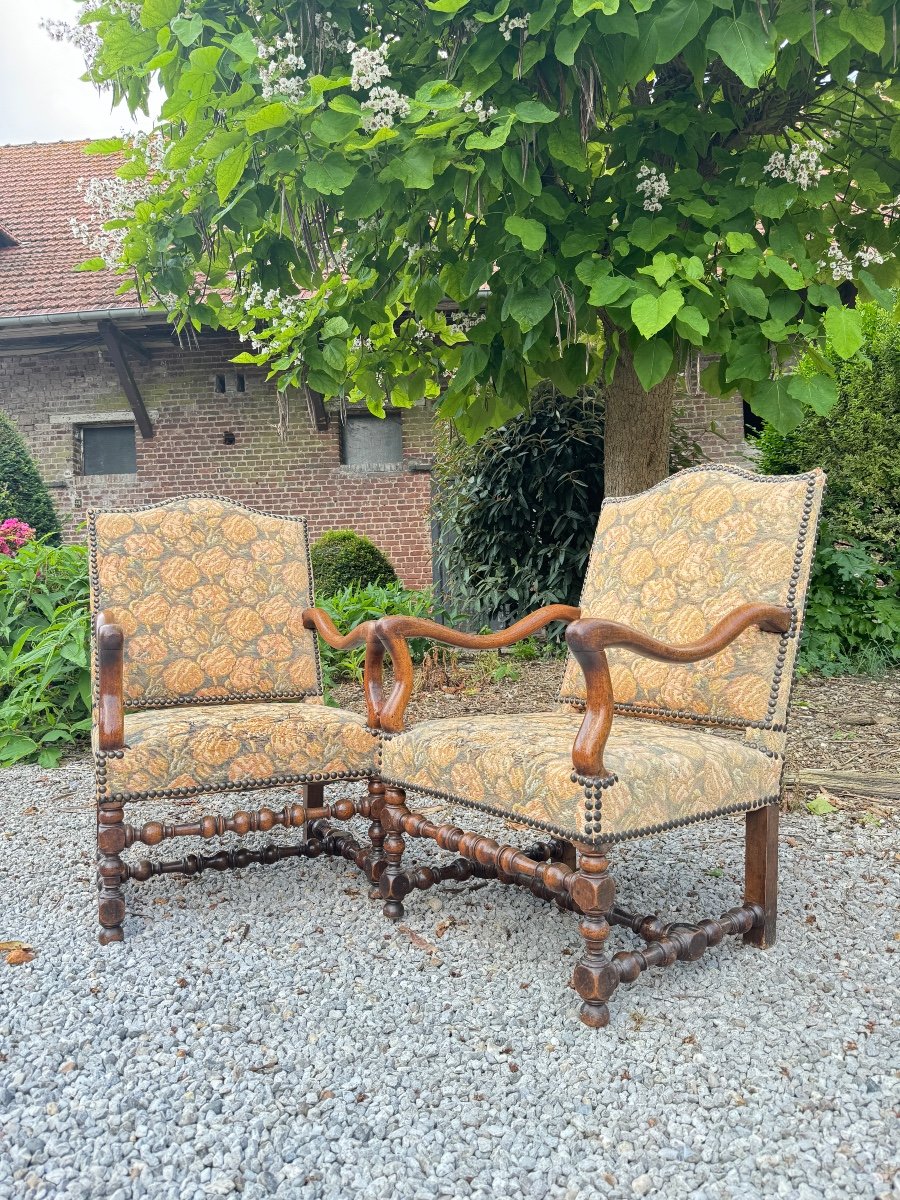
[
  {"x": 520, "y": 766},
  {"x": 182, "y": 751}
]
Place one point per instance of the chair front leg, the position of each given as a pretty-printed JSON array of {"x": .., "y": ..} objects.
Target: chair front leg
[
  {"x": 394, "y": 884},
  {"x": 377, "y": 859},
  {"x": 596, "y": 977},
  {"x": 110, "y": 870}
]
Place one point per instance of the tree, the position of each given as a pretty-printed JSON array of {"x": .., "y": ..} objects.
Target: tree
[
  {"x": 23, "y": 494},
  {"x": 600, "y": 188}
]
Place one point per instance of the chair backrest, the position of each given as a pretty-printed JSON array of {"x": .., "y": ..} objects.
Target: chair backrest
[
  {"x": 674, "y": 560},
  {"x": 210, "y": 596}
]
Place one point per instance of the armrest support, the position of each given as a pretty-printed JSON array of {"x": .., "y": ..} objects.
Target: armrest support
[
  {"x": 390, "y": 636},
  {"x": 110, "y": 691},
  {"x": 319, "y": 621},
  {"x": 591, "y": 637}
]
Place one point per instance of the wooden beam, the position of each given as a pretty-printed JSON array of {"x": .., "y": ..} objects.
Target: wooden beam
[
  {"x": 116, "y": 351},
  {"x": 877, "y": 785}
]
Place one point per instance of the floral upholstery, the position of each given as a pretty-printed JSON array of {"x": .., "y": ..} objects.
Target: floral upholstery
[
  {"x": 521, "y": 766},
  {"x": 210, "y": 596},
  {"x": 673, "y": 561},
  {"x": 183, "y": 751}
]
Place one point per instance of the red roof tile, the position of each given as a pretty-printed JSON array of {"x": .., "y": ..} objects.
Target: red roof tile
[{"x": 38, "y": 198}]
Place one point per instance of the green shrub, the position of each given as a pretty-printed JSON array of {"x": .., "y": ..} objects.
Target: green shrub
[
  {"x": 45, "y": 686},
  {"x": 22, "y": 491},
  {"x": 350, "y": 606},
  {"x": 344, "y": 559},
  {"x": 518, "y": 509},
  {"x": 853, "y": 615},
  {"x": 857, "y": 442}
]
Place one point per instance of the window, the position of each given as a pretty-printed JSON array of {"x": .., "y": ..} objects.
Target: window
[
  {"x": 368, "y": 441},
  {"x": 108, "y": 450}
]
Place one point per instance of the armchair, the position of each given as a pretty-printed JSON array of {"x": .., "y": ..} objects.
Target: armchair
[{"x": 706, "y": 575}]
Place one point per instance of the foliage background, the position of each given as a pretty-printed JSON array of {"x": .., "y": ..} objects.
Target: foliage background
[
  {"x": 342, "y": 558},
  {"x": 23, "y": 493}
]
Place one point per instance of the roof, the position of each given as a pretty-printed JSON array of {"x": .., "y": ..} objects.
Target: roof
[{"x": 38, "y": 199}]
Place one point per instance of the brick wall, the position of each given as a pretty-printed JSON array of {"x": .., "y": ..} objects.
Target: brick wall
[
  {"x": 49, "y": 395},
  {"x": 716, "y": 425}
]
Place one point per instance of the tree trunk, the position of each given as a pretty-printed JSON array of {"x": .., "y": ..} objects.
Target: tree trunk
[{"x": 637, "y": 430}]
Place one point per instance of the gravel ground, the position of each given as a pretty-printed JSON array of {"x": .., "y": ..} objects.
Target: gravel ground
[{"x": 266, "y": 1033}]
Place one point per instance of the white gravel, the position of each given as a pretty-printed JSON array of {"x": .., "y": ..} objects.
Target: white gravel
[{"x": 266, "y": 1033}]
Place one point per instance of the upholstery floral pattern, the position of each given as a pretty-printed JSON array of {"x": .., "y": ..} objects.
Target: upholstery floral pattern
[
  {"x": 210, "y": 596},
  {"x": 521, "y": 766},
  {"x": 673, "y": 561},
  {"x": 210, "y": 747}
]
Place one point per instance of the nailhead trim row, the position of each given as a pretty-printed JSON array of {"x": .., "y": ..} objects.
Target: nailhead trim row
[
  {"x": 230, "y": 786},
  {"x": 594, "y": 839},
  {"x": 235, "y": 698}
]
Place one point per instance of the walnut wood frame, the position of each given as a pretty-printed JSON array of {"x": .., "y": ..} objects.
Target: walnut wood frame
[
  {"x": 575, "y": 875},
  {"x": 114, "y": 835}
]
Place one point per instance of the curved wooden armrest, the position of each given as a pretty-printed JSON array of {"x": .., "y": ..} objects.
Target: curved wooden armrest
[
  {"x": 390, "y": 636},
  {"x": 591, "y": 637},
  {"x": 317, "y": 619},
  {"x": 110, "y": 684}
]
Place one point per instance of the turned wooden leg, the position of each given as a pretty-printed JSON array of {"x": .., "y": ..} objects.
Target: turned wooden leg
[
  {"x": 110, "y": 870},
  {"x": 393, "y": 884},
  {"x": 376, "y": 855},
  {"x": 565, "y": 853},
  {"x": 596, "y": 976},
  {"x": 761, "y": 872}
]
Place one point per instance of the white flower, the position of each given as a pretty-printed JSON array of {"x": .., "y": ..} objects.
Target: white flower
[
  {"x": 85, "y": 37},
  {"x": 368, "y": 66},
  {"x": 869, "y": 255},
  {"x": 802, "y": 166},
  {"x": 110, "y": 198},
  {"x": 509, "y": 24},
  {"x": 837, "y": 263},
  {"x": 478, "y": 109},
  {"x": 280, "y": 67},
  {"x": 653, "y": 186},
  {"x": 382, "y": 106}
]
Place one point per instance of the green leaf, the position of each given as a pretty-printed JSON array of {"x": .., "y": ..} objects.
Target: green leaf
[
  {"x": 363, "y": 197},
  {"x": 244, "y": 46},
  {"x": 652, "y": 361},
  {"x": 692, "y": 324},
  {"x": 844, "y": 330},
  {"x": 330, "y": 175},
  {"x": 533, "y": 112},
  {"x": 14, "y": 747},
  {"x": 271, "y": 116},
  {"x": 818, "y": 392},
  {"x": 567, "y": 42},
  {"x": 112, "y": 145},
  {"x": 661, "y": 269},
  {"x": 882, "y": 296},
  {"x": 92, "y": 264},
  {"x": 678, "y": 23},
  {"x": 605, "y": 288},
  {"x": 742, "y": 45},
  {"x": 330, "y": 126},
  {"x": 156, "y": 13},
  {"x": 785, "y": 272},
  {"x": 446, "y": 6},
  {"x": 230, "y": 170},
  {"x": 493, "y": 140},
  {"x": 532, "y": 234},
  {"x": 528, "y": 308},
  {"x": 748, "y": 297},
  {"x": 574, "y": 245},
  {"x": 866, "y": 28},
  {"x": 187, "y": 29},
  {"x": 772, "y": 400},
  {"x": 653, "y": 313},
  {"x": 415, "y": 167},
  {"x": 820, "y": 806},
  {"x": 647, "y": 232},
  {"x": 565, "y": 145}
]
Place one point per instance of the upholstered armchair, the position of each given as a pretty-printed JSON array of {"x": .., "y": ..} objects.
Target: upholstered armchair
[
  {"x": 206, "y": 680},
  {"x": 672, "y": 710}
]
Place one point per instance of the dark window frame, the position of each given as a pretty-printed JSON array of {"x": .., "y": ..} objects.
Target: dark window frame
[
  {"x": 91, "y": 459},
  {"x": 392, "y": 464}
]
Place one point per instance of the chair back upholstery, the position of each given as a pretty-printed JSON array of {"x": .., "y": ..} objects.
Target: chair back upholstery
[
  {"x": 674, "y": 560},
  {"x": 210, "y": 596}
]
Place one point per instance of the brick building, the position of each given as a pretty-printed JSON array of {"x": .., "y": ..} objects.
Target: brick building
[{"x": 116, "y": 411}]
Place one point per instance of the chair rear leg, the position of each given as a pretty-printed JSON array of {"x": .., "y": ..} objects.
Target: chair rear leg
[
  {"x": 761, "y": 872},
  {"x": 110, "y": 871},
  {"x": 596, "y": 976}
]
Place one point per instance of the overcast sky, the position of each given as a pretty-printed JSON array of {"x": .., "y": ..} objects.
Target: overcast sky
[{"x": 42, "y": 98}]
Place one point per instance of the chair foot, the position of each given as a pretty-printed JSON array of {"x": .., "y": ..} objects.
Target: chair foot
[
  {"x": 114, "y": 933},
  {"x": 393, "y": 910},
  {"x": 596, "y": 976},
  {"x": 761, "y": 873}
]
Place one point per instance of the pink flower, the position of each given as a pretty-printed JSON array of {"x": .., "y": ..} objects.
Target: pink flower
[{"x": 13, "y": 535}]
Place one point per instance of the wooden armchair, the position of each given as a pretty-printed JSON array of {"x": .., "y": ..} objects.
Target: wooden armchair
[
  {"x": 205, "y": 679},
  {"x": 685, "y": 640}
]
